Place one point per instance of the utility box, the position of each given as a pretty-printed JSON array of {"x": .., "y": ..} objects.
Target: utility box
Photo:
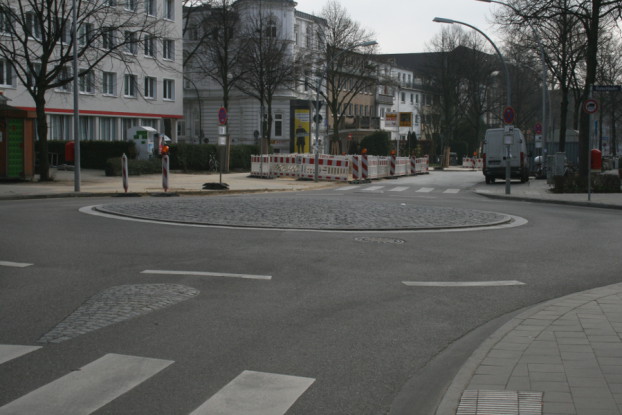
[
  {"x": 145, "y": 140},
  {"x": 17, "y": 142}
]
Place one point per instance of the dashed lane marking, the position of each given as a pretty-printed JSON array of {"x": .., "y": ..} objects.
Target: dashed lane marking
[
  {"x": 206, "y": 274},
  {"x": 14, "y": 264},
  {"x": 462, "y": 283},
  {"x": 88, "y": 389},
  {"x": 256, "y": 393},
  {"x": 11, "y": 351}
]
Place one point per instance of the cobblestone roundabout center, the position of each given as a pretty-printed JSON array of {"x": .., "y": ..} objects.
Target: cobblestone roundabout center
[{"x": 301, "y": 213}]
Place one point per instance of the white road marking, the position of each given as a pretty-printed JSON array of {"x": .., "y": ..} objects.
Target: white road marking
[
  {"x": 14, "y": 264},
  {"x": 452, "y": 191},
  {"x": 10, "y": 351},
  {"x": 84, "y": 391},
  {"x": 462, "y": 283},
  {"x": 256, "y": 393},
  {"x": 372, "y": 188},
  {"x": 345, "y": 188},
  {"x": 425, "y": 190},
  {"x": 399, "y": 189},
  {"x": 206, "y": 274}
]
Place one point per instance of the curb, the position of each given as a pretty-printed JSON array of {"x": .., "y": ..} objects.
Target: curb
[{"x": 549, "y": 201}]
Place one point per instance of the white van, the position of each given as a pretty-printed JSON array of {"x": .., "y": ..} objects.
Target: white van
[{"x": 494, "y": 153}]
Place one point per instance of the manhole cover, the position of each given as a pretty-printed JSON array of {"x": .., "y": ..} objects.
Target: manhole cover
[{"x": 379, "y": 240}]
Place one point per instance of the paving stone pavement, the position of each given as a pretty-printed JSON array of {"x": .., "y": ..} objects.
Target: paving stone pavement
[
  {"x": 292, "y": 213},
  {"x": 568, "y": 349},
  {"x": 117, "y": 304}
]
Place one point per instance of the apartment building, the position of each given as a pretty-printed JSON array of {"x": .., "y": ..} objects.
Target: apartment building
[{"x": 144, "y": 88}]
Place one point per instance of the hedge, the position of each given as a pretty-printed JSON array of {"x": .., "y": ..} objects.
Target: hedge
[{"x": 186, "y": 157}]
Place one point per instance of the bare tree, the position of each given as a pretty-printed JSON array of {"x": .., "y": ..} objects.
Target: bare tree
[
  {"x": 40, "y": 45},
  {"x": 349, "y": 69},
  {"x": 269, "y": 65},
  {"x": 593, "y": 16}
]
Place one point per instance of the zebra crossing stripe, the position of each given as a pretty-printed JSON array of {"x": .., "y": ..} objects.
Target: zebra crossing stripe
[
  {"x": 83, "y": 391},
  {"x": 372, "y": 188},
  {"x": 256, "y": 393},
  {"x": 14, "y": 264},
  {"x": 451, "y": 191},
  {"x": 398, "y": 189},
  {"x": 10, "y": 351},
  {"x": 339, "y": 189},
  {"x": 425, "y": 190}
]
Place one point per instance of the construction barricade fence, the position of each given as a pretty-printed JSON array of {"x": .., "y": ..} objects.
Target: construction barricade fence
[
  {"x": 472, "y": 163},
  {"x": 336, "y": 168}
]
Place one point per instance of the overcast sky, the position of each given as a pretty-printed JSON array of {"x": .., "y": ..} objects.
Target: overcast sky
[{"x": 405, "y": 26}]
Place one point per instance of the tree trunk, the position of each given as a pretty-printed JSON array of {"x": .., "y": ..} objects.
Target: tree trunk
[
  {"x": 42, "y": 133},
  {"x": 563, "y": 119}
]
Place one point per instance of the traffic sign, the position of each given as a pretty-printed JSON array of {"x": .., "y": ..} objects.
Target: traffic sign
[
  {"x": 538, "y": 128},
  {"x": 590, "y": 106},
  {"x": 607, "y": 88},
  {"x": 508, "y": 115},
  {"x": 222, "y": 116}
]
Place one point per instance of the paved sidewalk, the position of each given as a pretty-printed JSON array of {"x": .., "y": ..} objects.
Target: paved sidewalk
[
  {"x": 561, "y": 357},
  {"x": 95, "y": 182}
]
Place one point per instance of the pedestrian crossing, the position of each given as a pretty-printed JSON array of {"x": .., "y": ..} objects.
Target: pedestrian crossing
[
  {"x": 84, "y": 391},
  {"x": 396, "y": 189}
]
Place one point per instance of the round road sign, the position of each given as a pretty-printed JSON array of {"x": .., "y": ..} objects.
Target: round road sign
[
  {"x": 508, "y": 115},
  {"x": 222, "y": 116},
  {"x": 538, "y": 128},
  {"x": 590, "y": 106}
]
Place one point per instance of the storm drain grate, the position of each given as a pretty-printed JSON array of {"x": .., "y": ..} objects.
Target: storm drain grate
[
  {"x": 487, "y": 402},
  {"x": 379, "y": 240}
]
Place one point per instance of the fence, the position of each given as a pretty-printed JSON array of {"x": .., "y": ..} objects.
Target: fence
[{"x": 336, "y": 168}]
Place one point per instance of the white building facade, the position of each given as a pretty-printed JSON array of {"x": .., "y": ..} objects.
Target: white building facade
[{"x": 145, "y": 90}]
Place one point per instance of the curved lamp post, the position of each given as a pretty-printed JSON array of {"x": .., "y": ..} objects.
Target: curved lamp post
[
  {"x": 322, "y": 76},
  {"x": 543, "y": 63},
  {"x": 508, "y": 86}
]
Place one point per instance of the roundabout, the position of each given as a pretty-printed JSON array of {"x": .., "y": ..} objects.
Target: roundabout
[{"x": 303, "y": 214}]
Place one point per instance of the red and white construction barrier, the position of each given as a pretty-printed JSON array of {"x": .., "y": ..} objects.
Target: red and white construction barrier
[
  {"x": 472, "y": 163},
  {"x": 336, "y": 168}
]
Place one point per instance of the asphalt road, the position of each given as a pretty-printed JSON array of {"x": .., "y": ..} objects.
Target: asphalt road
[{"x": 334, "y": 315}]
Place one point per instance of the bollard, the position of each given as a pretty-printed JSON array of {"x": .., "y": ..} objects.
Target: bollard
[
  {"x": 165, "y": 172},
  {"x": 124, "y": 171}
]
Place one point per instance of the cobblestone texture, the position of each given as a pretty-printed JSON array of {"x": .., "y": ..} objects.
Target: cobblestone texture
[
  {"x": 117, "y": 304},
  {"x": 292, "y": 213}
]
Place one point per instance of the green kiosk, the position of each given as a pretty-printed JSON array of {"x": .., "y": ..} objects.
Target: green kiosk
[{"x": 17, "y": 142}]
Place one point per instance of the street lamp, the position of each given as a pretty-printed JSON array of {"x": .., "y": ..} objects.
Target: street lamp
[
  {"x": 508, "y": 86},
  {"x": 323, "y": 75},
  {"x": 543, "y": 63}
]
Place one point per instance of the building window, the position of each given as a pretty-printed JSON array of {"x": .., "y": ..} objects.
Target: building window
[
  {"x": 87, "y": 128},
  {"x": 130, "y": 43},
  {"x": 169, "y": 89},
  {"x": 108, "y": 129},
  {"x": 5, "y": 22},
  {"x": 60, "y": 127},
  {"x": 169, "y": 9},
  {"x": 86, "y": 82},
  {"x": 109, "y": 83},
  {"x": 150, "y": 46},
  {"x": 278, "y": 125},
  {"x": 150, "y": 7},
  {"x": 85, "y": 34},
  {"x": 412, "y": 98},
  {"x": 64, "y": 75},
  {"x": 168, "y": 49},
  {"x": 129, "y": 86},
  {"x": 150, "y": 87},
  {"x": 271, "y": 29},
  {"x": 126, "y": 124},
  {"x": 403, "y": 95},
  {"x": 108, "y": 40},
  {"x": 149, "y": 122},
  {"x": 309, "y": 37},
  {"x": 33, "y": 26},
  {"x": 131, "y": 5},
  {"x": 6, "y": 74}
]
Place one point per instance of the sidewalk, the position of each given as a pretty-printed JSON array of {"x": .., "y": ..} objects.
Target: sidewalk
[
  {"x": 560, "y": 357},
  {"x": 96, "y": 183}
]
